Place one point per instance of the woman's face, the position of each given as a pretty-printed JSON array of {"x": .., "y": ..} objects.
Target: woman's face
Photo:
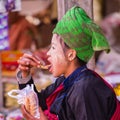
[{"x": 57, "y": 57}]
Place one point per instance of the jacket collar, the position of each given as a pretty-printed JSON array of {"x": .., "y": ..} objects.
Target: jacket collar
[{"x": 68, "y": 82}]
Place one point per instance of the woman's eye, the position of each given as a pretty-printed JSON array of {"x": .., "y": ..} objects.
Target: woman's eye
[{"x": 53, "y": 47}]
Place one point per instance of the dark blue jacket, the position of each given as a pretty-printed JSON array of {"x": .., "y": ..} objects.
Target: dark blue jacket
[{"x": 85, "y": 96}]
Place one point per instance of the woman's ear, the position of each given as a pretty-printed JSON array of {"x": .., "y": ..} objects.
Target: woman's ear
[{"x": 71, "y": 54}]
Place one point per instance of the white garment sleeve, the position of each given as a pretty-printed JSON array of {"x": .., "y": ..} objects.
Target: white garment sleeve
[{"x": 22, "y": 80}]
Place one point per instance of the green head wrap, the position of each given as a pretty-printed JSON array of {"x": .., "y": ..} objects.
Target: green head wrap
[{"x": 79, "y": 32}]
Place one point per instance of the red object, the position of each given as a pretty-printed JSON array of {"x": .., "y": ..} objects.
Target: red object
[
  {"x": 9, "y": 62},
  {"x": 116, "y": 115},
  {"x": 50, "y": 100}
]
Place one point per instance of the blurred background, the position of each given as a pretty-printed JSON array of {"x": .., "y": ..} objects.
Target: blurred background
[{"x": 27, "y": 25}]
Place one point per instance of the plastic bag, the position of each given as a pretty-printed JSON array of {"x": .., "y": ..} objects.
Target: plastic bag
[{"x": 28, "y": 97}]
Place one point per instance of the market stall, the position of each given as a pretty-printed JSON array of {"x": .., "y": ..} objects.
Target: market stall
[
  {"x": 16, "y": 40},
  {"x": 26, "y": 26}
]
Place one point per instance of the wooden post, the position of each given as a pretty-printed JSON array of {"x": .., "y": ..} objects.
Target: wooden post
[
  {"x": 87, "y": 5},
  {"x": 1, "y": 85},
  {"x": 64, "y": 5}
]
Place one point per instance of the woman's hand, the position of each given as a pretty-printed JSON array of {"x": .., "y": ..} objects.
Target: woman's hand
[
  {"x": 27, "y": 61},
  {"x": 27, "y": 116}
]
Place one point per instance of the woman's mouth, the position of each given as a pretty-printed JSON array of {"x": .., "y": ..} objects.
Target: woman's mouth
[
  {"x": 45, "y": 67},
  {"x": 50, "y": 68}
]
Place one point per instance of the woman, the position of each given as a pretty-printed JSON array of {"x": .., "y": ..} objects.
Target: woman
[{"x": 78, "y": 92}]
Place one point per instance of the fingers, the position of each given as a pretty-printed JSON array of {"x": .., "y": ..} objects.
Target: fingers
[
  {"x": 30, "y": 60},
  {"x": 26, "y": 115},
  {"x": 24, "y": 112},
  {"x": 30, "y": 117},
  {"x": 42, "y": 115},
  {"x": 24, "y": 65},
  {"x": 26, "y": 62}
]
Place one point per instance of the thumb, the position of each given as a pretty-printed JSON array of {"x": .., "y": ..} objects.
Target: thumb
[
  {"x": 42, "y": 115},
  {"x": 41, "y": 111}
]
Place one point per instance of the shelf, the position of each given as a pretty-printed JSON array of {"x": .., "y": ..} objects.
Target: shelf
[{"x": 9, "y": 80}]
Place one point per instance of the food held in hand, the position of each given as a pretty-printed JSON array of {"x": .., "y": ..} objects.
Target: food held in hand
[
  {"x": 44, "y": 66},
  {"x": 31, "y": 104}
]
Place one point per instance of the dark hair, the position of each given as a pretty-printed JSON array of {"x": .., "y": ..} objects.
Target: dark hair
[{"x": 81, "y": 62}]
